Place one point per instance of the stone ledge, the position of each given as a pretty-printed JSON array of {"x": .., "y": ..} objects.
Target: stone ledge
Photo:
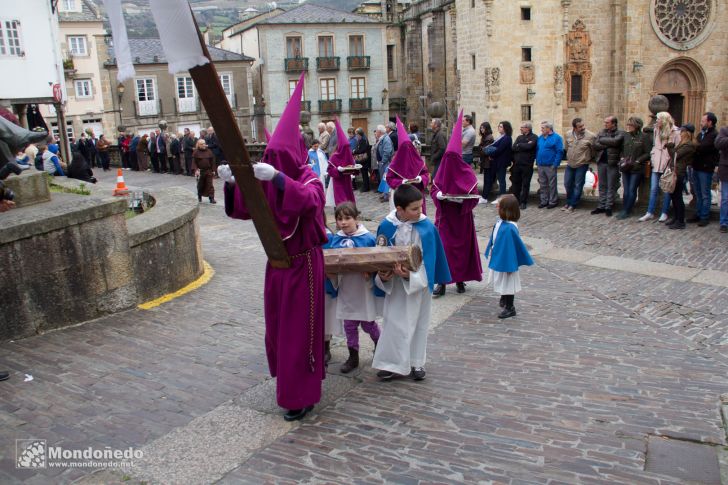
[
  {"x": 174, "y": 207},
  {"x": 63, "y": 211},
  {"x": 30, "y": 187}
]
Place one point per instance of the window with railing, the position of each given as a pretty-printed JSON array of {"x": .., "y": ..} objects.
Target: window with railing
[
  {"x": 326, "y": 46},
  {"x": 186, "y": 101},
  {"x": 356, "y": 45},
  {"x": 358, "y": 87},
  {"x": 146, "y": 97},
  {"x": 293, "y": 47},
  {"x": 328, "y": 89}
]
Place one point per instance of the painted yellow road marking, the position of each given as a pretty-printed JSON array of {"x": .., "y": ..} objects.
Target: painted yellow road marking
[{"x": 207, "y": 274}]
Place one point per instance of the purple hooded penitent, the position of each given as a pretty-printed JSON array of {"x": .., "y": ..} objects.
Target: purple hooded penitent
[
  {"x": 407, "y": 164},
  {"x": 454, "y": 220},
  {"x": 294, "y": 297},
  {"x": 342, "y": 157}
]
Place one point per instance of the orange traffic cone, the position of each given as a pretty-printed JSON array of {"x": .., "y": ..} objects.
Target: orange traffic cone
[{"x": 121, "y": 188}]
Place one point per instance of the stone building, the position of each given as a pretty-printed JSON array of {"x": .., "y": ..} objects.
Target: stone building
[
  {"x": 342, "y": 53},
  {"x": 153, "y": 95},
  {"x": 559, "y": 59},
  {"x": 82, "y": 34}
]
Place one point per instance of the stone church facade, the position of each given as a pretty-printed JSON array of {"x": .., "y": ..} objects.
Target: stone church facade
[{"x": 555, "y": 60}]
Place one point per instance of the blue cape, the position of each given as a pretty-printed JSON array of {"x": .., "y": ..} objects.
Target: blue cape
[
  {"x": 433, "y": 254},
  {"x": 328, "y": 285},
  {"x": 509, "y": 252}
]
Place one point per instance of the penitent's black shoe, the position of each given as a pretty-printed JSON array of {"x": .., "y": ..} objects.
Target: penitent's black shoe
[
  {"x": 599, "y": 210},
  {"x": 296, "y": 414},
  {"x": 439, "y": 290},
  {"x": 460, "y": 287},
  {"x": 508, "y": 312},
  {"x": 418, "y": 373},
  {"x": 4, "y": 375}
]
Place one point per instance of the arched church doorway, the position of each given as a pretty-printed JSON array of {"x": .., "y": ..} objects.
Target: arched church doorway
[{"x": 682, "y": 82}]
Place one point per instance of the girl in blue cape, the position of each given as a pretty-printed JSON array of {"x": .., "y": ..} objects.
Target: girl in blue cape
[{"x": 508, "y": 254}]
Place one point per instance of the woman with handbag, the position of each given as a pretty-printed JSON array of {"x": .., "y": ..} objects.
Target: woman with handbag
[
  {"x": 635, "y": 152},
  {"x": 682, "y": 156},
  {"x": 665, "y": 132},
  {"x": 362, "y": 156},
  {"x": 486, "y": 139}
]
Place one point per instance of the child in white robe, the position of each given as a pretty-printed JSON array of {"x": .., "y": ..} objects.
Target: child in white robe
[{"x": 408, "y": 294}]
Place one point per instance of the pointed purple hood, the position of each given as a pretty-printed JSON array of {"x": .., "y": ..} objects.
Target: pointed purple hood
[
  {"x": 267, "y": 134},
  {"x": 342, "y": 157},
  {"x": 455, "y": 177},
  {"x": 406, "y": 163},
  {"x": 286, "y": 151}
]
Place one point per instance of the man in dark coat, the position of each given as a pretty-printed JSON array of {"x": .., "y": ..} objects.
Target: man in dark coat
[
  {"x": 704, "y": 163},
  {"x": 524, "y": 154},
  {"x": 437, "y": 145}
]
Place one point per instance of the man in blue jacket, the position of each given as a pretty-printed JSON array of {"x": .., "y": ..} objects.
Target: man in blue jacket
[{"x": 549, "y": 152}]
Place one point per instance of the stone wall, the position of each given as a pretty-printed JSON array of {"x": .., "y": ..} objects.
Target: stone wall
[
  {"x": 63, "y": 262},
  {"x": 77, "y": 258}
]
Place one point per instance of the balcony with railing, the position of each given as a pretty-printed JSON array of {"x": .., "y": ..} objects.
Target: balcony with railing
[
  {"x": 147, "y": 108},
  {"x": 296, "y": 64},
  {"x": 306, "y": 106},
  {"x": 187, "y": 105},
  {"x": 360, "y": 104},
  {"x": 327, "y": 63},
  {"x": 358, "y": 62},
  {"x": 329, "y": 106}
]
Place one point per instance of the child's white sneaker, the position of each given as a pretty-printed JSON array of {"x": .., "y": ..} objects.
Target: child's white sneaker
[{"x": 663, "y": 217}]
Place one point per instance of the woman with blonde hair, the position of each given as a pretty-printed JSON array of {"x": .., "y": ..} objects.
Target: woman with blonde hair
[{"x": 665, "y": 133}]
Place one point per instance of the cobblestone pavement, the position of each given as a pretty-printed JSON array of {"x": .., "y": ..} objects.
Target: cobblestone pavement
[{"x": 567, "y": 392}]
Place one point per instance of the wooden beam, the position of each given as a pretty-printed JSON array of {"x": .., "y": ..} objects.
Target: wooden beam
[{"x": 231, "y": 140}]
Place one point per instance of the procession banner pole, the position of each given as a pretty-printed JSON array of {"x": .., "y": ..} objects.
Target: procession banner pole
[{"x": 213, "y": 97}]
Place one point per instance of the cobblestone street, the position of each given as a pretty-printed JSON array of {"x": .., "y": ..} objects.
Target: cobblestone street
[{"x": 621, "y": 337}]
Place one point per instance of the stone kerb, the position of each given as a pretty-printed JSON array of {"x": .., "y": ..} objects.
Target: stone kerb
[{"x": 165, "y": 244}]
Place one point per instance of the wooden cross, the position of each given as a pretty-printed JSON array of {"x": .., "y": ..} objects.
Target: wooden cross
[{"x": 231, "y": 140}]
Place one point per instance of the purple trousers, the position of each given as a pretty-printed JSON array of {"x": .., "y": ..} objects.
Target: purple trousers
[{"x": 351, "y": 327}]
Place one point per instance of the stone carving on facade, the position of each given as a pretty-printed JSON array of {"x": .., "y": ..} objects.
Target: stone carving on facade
[
  {"x": 565, "y": 4},
  {"x": 528, "y": 73},
  {"x": 683, "y": 24},
  {"x": 488, "y": 17},
  {"x": 558, "y": 83},
  {"x": 492, "y": 86},
  {"x": 578, "y": 56}
]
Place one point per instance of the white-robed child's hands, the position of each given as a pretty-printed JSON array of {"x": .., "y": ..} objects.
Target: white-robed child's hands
[
  {"x": 401, "y": 271},
  {"x": 385, "y": 275},
  {"x": 264, "y": 171},
  {"x": 225, "y": 174},
  {"x": 440, "y": 195}
]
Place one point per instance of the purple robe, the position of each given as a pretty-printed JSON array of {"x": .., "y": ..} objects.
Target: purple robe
[
  {"x": 343, "y": 189},
  {"x": 456, "y": 225},
  {"x": 294, "y": 312},
  {"x": 407, "y": 164},
  {"x": 342, "y": 157},
  {"x": 455, "y": 221}
]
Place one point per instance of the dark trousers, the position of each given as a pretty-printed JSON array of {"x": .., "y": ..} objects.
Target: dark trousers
[
  {"x": 678, "y": 204},
  {"x": 496, "y": 171},
  {"x": 631, "y": 182},
  {"x": 521, "y": 175},
  {"x": 188, "y": 163},
  {"x": 133, "y": 162},
  {"x": 104, "y": 160},
  {"x": 365, "y": 187},
  {"x": 124, "y": 159},
  {"x": 163, "y": 162},
  {"x": 155, "y": 162},
  {"x": 175, "y": 160}
]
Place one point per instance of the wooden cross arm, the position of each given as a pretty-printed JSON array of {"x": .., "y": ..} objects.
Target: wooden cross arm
[{"x": 231, "y": 141}]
